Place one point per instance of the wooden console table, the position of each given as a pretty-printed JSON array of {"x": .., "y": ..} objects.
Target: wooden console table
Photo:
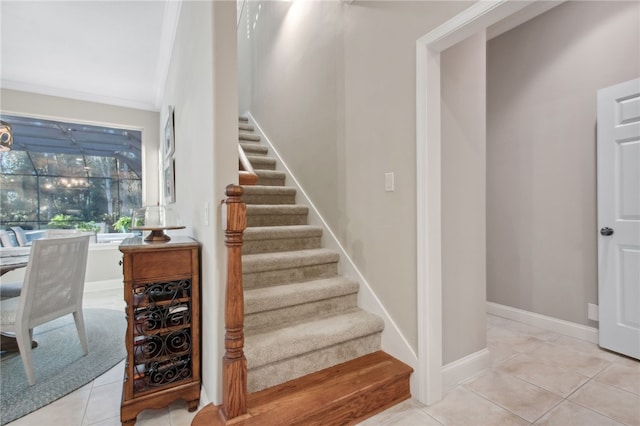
[{"x": 162, "y": 293}]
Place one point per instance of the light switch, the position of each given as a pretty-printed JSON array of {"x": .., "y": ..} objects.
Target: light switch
[{"x": 389, "y": 184}]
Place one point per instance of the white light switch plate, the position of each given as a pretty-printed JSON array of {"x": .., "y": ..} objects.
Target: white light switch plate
[{"x": 389, "y": 184}]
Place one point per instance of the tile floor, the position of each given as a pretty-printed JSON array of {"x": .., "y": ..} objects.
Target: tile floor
[{"x": 536, "y": 378}]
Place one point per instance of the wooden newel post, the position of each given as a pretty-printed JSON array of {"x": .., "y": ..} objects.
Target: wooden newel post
[{"x": 234, "y": 363}]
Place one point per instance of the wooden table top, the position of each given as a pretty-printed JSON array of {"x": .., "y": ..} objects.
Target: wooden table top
[{"x": 13, "y": 258}]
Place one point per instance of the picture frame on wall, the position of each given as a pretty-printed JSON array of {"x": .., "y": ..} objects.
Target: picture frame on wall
[
  {"x": 169, "y": 146},
  {"x": 169, "y": 182}
]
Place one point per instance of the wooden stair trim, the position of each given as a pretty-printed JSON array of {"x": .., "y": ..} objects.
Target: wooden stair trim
[
  {"x": 234, "y": 363},
  {"x": 247, "y": 176},
  {"x": 343, "y": 394}
]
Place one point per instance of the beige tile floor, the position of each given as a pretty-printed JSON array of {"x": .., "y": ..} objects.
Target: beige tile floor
[{"x": 536, "y": 378}]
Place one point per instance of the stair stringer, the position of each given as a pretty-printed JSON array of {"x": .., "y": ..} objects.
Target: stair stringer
[{"x": 393, "y": 341}]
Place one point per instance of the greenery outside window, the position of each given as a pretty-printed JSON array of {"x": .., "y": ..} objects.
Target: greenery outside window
[{"x": 64, "y": 175}]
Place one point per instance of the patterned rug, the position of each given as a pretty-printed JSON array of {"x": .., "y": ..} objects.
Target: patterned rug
[{"x": 58, "y": 362}]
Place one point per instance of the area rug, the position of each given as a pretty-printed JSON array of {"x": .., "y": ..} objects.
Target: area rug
[{"x": 58, "y": 362}]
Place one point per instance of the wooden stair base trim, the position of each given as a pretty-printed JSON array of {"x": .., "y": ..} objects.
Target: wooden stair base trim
[{"x": 341, "y": 395}]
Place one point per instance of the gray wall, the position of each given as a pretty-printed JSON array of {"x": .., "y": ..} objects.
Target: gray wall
[
  {"x": 201, "y": 86},
  {"x": 333, "y": 86},
  {"x": 463, "y": 118},
  {"x": 541, "y": 147}
]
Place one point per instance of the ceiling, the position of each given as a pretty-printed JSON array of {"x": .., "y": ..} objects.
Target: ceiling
[{"x": 112, "y": 52}]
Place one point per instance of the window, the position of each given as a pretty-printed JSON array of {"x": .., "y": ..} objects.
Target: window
[{"x": 64, "y": 175}]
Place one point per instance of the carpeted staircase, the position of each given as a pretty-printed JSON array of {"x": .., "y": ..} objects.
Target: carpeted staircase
[
  {"x": 313, "y": 356},
  {"x": 301, "y": 316}
]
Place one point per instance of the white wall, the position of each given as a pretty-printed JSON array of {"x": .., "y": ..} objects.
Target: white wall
[
  {"x": 201, "y": 86},
  {"x": 245, "y": 60},
  {"x": 541, "y": 147},
  {"x": 333, "y": 87},
  {"x": 56, "y": 108},
  {"x": 463, "y": 120}
]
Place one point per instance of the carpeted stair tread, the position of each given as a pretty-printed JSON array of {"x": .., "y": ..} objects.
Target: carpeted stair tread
[
  {"x": 245, "y": 126},
  {"x": 253, "y": 189},
  {"x": 263, "y": 299},
  {"x": 243, "y": 119},
  {"x": 261, "y": 262},
  {"x": 269, "y": 239},
  {"x": 261, "y": 162},
  {"x": 243, "y": 136},
  {"x": 298, "y": 301},
  {"x": 281, "y": 232},
  {"x": 276, "y": 214},
  {"x": 254, "y": 149},
  {"x": 270, "y": 177},
  {"x": 260, "y": 194},
  {"x": 308, "y": 336},
  {"x": 273, "y": 209}
]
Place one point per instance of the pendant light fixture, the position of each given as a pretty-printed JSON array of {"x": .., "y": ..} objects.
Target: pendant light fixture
[{"x": 6, "y": 136}]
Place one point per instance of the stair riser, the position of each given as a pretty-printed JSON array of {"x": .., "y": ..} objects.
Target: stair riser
[
  {"x": 254, "y": 149},
  {"x": 356, "y": 408},
  {"x": 271, "y": 181},
  {"x": 285, "y": 244},
  {"x": 276, "y": 219},
  {"x": 290, "y": 314},
  {"x": 245, "y": 127},
  {"x": 262, "y": 163},
  {"x": 288, "y": 369},
  {"x": 269, "y": 198},
  {"x": 248, "y": 142},
  {"x": 288, "y": 276},
  {"x": 249, "y": 138}
]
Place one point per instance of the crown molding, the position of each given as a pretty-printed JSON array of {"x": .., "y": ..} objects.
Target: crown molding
[{"x": 77, "y": 95}]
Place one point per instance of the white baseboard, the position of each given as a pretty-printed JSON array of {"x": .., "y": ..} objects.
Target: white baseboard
[
  {"x": 464, "y": 368},
  {"x": 571, "y": 329}
]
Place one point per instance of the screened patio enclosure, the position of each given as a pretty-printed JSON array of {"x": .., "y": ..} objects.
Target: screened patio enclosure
[{"x": 67, "y": 175}]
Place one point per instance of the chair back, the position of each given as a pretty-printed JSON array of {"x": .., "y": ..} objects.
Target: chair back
[
  {"x": 8, "y": 239},
  {"x": 54, "y": 280},
  {"x": 64, "y": 233},
  {"x": 21, "y": 237}
]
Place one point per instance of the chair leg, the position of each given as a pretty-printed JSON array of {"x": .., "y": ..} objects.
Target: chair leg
[
  {"x": 79, "y": 319},
  {"x": 23, "y": 337}
]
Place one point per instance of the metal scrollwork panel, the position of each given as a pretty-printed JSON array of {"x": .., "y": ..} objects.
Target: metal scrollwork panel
[
  {"x": 156, "y": 374},
  {"x": 149, "y": 348},
  {"x": 152, "y": 293},
  {"x": 154, "y": 318}
]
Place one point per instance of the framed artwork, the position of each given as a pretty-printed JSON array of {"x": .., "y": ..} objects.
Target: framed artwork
[
  {"x": 169, "y": 182},
  {"x": 169, "y": 146}
]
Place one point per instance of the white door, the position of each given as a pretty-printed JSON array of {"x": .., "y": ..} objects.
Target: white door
[{"x": 619, "y": 217}]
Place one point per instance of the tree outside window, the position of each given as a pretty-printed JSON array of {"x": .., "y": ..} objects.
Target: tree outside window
[{"x": 62, "y": 175}]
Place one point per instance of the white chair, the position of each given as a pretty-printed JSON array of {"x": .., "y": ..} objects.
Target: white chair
[
  {"x": 8, "y": 239},
  {"x": 21, "y": 237},
  {"x": 53, "y": 286}
]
